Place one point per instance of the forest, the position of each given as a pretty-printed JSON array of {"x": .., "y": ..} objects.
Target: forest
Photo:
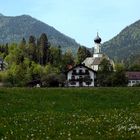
[
  {"x": 33, "y": 61},
  {"x": 37, "y": 61}
]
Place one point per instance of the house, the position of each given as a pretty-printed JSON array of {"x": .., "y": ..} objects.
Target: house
[
  {"x": 81, "y": 76},
  {"x": 133, "y": 78},
  {"x": 94, "y": 61},
  {"x": 3, "y": 65}
]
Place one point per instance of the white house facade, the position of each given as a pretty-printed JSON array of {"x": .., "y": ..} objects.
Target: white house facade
[{"x": 81, "y": 76}]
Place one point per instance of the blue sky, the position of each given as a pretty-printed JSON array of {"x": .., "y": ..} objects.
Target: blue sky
[{"x": 79, "y": 19}]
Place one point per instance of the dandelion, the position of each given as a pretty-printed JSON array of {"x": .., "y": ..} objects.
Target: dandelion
[
  {"x": 76, "y": 127},
  {"x": 11, "y": 132},
  {"x": 32, "y": 135},
  {"x": 69, "y": 134},
  {"x": 73, "y": 115},
  {"x": 61, "y": 133}
]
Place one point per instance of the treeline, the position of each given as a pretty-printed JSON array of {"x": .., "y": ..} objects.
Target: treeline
[
  {"x": 107, "y": 76},
  {"x": 37, "y": 61}
]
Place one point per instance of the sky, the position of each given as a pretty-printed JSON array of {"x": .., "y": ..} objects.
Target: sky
[{"x": 78, "y": 19}]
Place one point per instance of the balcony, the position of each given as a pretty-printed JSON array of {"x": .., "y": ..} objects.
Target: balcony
[
  {"x": 81, "y": 80},
  {"x": 80, "y": 73}
]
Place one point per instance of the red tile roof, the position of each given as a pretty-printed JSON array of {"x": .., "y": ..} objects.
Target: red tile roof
[{"x": 133, "y": 75}]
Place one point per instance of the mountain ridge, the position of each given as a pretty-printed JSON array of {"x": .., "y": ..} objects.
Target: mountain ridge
[
  {"x": 14, "y": 28},
  {"x": 125, "y": 44}
]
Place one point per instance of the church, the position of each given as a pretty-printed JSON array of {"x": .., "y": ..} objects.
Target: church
[
  {"x": 94, "y": 61},
  {"x": 84, "y": 75}
]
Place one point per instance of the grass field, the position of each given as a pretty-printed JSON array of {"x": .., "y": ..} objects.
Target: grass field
[{"x": 70, "y": 114}]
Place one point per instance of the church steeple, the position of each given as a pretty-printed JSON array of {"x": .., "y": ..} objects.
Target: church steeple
[
  {"x": 97, "y": 47},
  {"x": 97, "y": 39}
]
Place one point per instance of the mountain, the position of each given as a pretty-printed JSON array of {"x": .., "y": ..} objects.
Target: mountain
[
  {"x": 1, "y": 14},
  {"x": 125, "y": 45},
  {"x": 13, "y": 29}
]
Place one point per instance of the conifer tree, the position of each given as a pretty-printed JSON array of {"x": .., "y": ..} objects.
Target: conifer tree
[
  {"x": 32, "y": 48},
  {"x": 82, "y": 53},
  {"x": 44, "y": 52}
]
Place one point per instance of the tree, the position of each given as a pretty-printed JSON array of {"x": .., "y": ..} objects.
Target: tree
[
  {"x": 50, "y": 76},
  {"x": 4, "y": 50},
  {"x": 16, "y": 75},
  {"x": 82, "y": 54},
  {"x": 104, "y": 74},
  {"x": 55, "y": 56},
  {"x": 24, "y": 41},
  {"x": 50, "y": 69},
  {"x": 15, "y": 55},
  {"x": 105, "y": 66},
  {"x": 44, "y": 53},
  {"x": 118, "y": 77},
  {"x": 134, "y": 67},
  {"x": 31, "y": 50},
  {"x": 67, "y": 59},
  {"x": 22, "y": 45}
]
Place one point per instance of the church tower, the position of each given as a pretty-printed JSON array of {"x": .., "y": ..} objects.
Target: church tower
[
  {"x": 98, "y": 56},
  {"x": 97, "y": 47}
]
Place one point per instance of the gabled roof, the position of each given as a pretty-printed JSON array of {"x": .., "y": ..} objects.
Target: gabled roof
[
  {"x": 133, "y": 75},
  {"x": 97, "y": 61},
  {"x": 82, "y": 65}
]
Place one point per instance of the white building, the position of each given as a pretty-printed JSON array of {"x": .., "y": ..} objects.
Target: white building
[
  {"x": 98, "y": 56},
  {"x": 81, "y": 76},
  {"x": 133, "y": 78},
  {"x": 3, "y": 65}
]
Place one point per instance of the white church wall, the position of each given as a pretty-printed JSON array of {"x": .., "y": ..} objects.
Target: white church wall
[
  {"x": 95, "y": 67},
  {"x": 97, "y": 55}
]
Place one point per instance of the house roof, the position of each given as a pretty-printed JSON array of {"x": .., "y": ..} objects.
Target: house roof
[
  {"x": 133, "y": 75},
  {"x": 97, "y": 61},
  {"x": 83, "y": 65},
  {"x": 88, "y": 61}
]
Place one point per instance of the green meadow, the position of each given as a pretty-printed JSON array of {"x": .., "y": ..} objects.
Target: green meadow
[{"x": 70, "y": 113}]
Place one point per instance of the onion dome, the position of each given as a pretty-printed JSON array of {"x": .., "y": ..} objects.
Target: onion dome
[{"x": 97, "y": 39}]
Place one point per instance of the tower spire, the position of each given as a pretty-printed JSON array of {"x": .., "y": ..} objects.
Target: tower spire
[{"x": 97, "y": 48}]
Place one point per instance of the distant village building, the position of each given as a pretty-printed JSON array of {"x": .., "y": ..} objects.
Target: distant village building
[
  {"x": 98, "y": 56},
  {"x": 3, "y": 65},
  {"x": 81, "y": 76},
  {"x": 133, "y": 78}
]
